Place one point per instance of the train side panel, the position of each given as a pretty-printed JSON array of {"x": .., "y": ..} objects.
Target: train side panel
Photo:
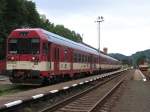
[{"x": 2, "y": 67}]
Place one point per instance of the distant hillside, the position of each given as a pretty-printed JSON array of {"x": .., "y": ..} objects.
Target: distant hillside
[
  {"x": 145, "y": 53},
  {"x": 118, "y": 56},
  {"x": 124, "y": 59},
  {"x": 140, "y": 56},
  {"x": 134, "y": 59}
]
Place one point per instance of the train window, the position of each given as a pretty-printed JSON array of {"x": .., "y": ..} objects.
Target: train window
[
  {"x": 24, "y": 46},
  {"x": 12, "y": 46},
  {"x": 82, "y": 58},
  {"x": 65, "y": 54},
  {"x": 86, "y": 58},
  {"x": 91, "y": 59},
  {"x": 79, "y": 57},
  {"x": 35, "y": 45},
  {"x": 75, "y": 57},
  {"x": 45, "y": 48},
  {"x": 56, "y": 53},
  {"x": 96, "y": 60}
]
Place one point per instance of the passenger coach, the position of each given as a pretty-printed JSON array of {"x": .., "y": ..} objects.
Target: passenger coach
[{"x": 36, "y": 56}]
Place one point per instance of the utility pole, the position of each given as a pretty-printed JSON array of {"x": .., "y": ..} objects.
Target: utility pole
[{"x": 99, "y": 20}]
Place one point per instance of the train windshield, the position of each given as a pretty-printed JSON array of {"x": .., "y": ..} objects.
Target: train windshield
[{"x": 24, "y": 46}]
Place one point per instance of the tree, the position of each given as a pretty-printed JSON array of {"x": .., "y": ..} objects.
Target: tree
[
  {"x": 22, "y": 13},
  {"x": 3, "y": 32},
  {"x": 140, "y": 59},
  {"x": 33, "y": 17}
]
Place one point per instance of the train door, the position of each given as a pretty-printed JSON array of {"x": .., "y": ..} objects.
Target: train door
[
  {"x": 71, "y": 59},
  {"x": 56, "y": 59},
  {"x": 46, "y": 56},
  {"x": 91, "y": 63},
  {"x": 49, "y": 56}
]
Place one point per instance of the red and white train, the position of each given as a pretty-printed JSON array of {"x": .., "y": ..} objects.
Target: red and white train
[{"x": 36, "y": 56}]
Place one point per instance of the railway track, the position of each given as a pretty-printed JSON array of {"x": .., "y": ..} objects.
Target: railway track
[
  {"x": 104, "y": 83},
  {"x": 89, "y": 100}
]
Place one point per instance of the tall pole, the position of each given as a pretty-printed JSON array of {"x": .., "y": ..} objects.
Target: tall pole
[
  {"x": 99, "y": 20},
  {"x": 99, "y": 36}
]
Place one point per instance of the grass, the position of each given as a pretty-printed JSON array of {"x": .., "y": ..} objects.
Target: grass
[{"x": 12, "y": 88}]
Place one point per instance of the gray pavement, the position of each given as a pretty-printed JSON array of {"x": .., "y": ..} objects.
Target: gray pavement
[
  {"x": 48, "y": 89},
  {"x": 2, "y": 77},
  {"x": 4, "y": 80},
  {"x": 136, "y": 96}
]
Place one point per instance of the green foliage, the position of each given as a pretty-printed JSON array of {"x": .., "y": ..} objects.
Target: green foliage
[
  {"x": 22, "y": 13},
  {"x": 61, "y": 30},
  {"x": 140, "y": 57},
  {"x": 134, "y": 59}
]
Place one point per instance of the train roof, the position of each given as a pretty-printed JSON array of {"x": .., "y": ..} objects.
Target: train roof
[
  {"x": 66, "y": 42},
  {"x": 61, "y": 40}
]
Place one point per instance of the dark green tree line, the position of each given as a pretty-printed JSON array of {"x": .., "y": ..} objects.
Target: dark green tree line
[{"x": 22, "y": 13}]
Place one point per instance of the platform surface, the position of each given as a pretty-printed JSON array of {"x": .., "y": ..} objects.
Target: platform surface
[
  {"x": 136, "y": 96},
  {"x": 44, "y": 90},
  {"x": 138, "y": 75}
]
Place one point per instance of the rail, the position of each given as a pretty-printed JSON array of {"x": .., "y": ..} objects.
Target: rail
[{"x": 63, "y": 104}]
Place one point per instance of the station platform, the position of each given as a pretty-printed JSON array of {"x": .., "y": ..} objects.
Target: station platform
[
  {"x": 135, "y": 96},
  {"x": 17, "y": 98},
  {"x": 138, "y": 75}
]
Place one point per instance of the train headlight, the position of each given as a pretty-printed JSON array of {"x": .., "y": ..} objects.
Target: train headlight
[
  {"x": 33, "y": 58},
  {"x": 12, "y": 58}
]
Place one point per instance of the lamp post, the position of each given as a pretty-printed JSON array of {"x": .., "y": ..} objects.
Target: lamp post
[{"x": 99, "y": 20}]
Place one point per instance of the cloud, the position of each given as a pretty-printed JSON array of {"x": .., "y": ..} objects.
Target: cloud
[{"x": 125, "y": 28}]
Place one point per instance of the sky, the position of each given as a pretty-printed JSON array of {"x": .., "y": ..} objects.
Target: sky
[{"x": 126, "y": 26}]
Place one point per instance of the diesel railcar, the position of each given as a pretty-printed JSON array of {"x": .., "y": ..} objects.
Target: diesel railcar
[{"x": 36, "y": 56}]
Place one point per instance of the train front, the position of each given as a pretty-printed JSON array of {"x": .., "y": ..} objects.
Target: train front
[{"x": 23, "y": 57}]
